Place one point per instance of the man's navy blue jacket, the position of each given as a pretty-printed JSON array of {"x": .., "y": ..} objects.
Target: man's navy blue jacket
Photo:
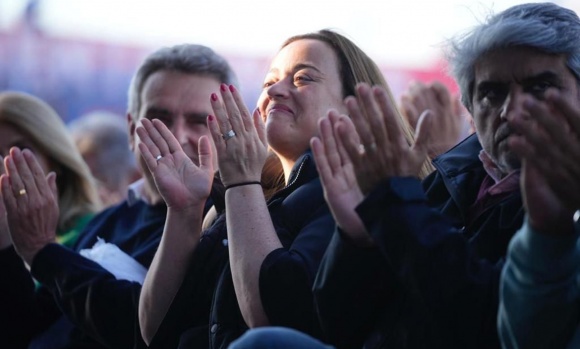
[
  {"x": 432, "y": 281},
  {"x": 92, "y": 298}
]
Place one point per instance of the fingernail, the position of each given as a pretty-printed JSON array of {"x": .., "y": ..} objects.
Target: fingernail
[
  {"x": 210, "y": 117},
  {"x": 232, "y": 88},
  {"x": 214, "y": 97},
  {"x": 223, "y": 87}
]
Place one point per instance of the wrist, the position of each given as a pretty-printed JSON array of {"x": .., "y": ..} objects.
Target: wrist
[
  {"x": 181, "y": 224},
  {"x": 186, "y": 209},
  {"x": 28, "y": 255},
  {"x": 359, "y": 238},
  {"x": 242, "y": 184}
]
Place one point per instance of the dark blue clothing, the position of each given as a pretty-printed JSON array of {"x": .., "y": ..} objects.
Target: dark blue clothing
[
  {"x": 304, "y": 225},
  {"x": 432, "y": 279},
  {"x": 92, "y": 299}
]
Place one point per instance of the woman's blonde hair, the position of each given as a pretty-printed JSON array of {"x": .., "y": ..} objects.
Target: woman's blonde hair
[
  {"x": 77, "y": 195},
  {"x": 355, "y": 66}
]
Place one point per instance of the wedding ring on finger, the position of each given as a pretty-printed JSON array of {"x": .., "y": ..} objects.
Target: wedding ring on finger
[
  {"x": 158, "y": 158},
  {"x": 371, "y": 148},
  {"x": 22, "y": 192},
  {"x": 229, "y": 135}
]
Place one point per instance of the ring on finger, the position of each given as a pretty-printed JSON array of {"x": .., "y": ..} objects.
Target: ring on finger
[
  {"x": 159, "y": 157},
  {"x": 22, "y": 192},
  {"x": 229, "y": 135},
  {"x": 370, "y": 148}
]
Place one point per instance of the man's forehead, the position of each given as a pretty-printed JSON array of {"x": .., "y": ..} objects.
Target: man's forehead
[
  {"x": 168, "y": 88},
  {"x": 517, "y": 63},
  {"x": 160, "y": 80}
]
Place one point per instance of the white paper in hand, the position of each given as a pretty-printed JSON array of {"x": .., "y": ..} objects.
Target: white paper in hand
[{"x": 117, "y": 262}]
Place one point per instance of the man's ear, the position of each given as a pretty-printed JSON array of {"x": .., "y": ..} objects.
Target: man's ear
[{"x": 131, "y": 126}]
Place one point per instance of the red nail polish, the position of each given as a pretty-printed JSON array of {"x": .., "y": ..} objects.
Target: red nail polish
[
  {"x": 232, "y": 88},
  {"x": 210, "y": 117},
  {"x": 213, "y": 97},
  {"x": 224, "y": 87}
]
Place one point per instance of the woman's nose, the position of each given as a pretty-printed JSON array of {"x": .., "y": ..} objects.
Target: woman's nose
[{"x": 278, "y": 89}]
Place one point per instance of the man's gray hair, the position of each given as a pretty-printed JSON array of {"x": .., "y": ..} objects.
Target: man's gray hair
[
  {"x": 545, "y": 27},
  {"x": 186, "y": 58}
]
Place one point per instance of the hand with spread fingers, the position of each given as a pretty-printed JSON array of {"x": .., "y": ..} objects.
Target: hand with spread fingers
[
  {"x": 452, "y": 121},
  {"x": 239, "y": 137},
  {"x": 384, "y": 151},
  {"x": 547, "y": 139},
  {"x": 337, "y": 174},
  {"x": 31, "y": 201},
  {"x": 181, "y": 183}
]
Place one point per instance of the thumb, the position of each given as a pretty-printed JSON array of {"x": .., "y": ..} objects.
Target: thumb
[
  {"x": 260, "y": 126},
  {"x": 2, "y": 168},
  {"x": 2, "y": 180},
  {"x": 409, "y": 111},
  {"x": 205, "y": 154},
  {"x": 6, "y": 190},
  {"x": 423, "y": 137}
]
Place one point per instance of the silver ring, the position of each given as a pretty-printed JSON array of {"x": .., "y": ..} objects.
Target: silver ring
[
  {"x": 228, "y": 135},
  {"x": 22, "y": 192},
  {"x": 158, "y": 158}
]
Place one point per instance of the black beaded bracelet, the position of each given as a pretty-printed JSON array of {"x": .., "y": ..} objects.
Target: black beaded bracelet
[{"x": 242, "y": 183}]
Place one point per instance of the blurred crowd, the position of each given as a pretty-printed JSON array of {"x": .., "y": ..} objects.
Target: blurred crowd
[{"x": 329, "y": 214}]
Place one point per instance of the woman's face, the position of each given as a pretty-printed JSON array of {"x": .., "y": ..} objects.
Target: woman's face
[
  {"x": 11, "y": 136},
  {"x": 303, "y": 83}
]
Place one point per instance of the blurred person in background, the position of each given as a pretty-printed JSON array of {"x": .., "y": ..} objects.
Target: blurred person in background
[
  {"x": 29, "y": 123},
  {"x": 102, "y": 139},
  {"x": 26, "y": 122},
  {"x": 93, "y": 302}
]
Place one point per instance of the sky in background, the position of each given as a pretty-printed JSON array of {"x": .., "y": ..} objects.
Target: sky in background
[{"x": 407, "y": 33}]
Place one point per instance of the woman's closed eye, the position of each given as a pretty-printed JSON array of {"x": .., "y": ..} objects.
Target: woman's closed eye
[{"x": 301, "y": 79}]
